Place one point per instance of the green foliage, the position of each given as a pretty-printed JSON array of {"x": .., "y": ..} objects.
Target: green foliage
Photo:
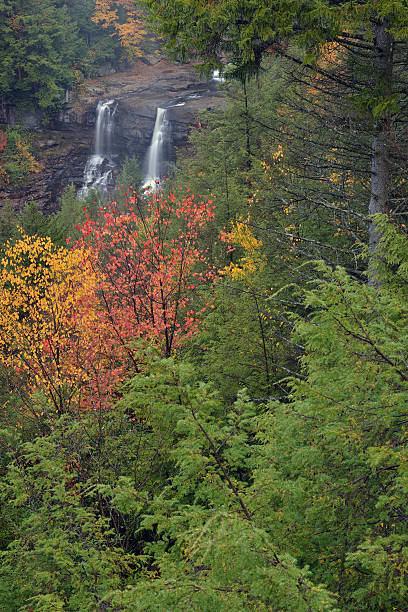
[
  {"x": 33, "y": 221},
  {"x": 98, "y": 44},
  {"x": 229, "y": 349},
  {"x": 72, "y": 500},
  {"x": 323, "y": 475},
  {"x": 17, "y": 158},
  {"x": 245, "y": 32},
  {"x": 38, "y": 50},
  {"x": 265, "y": 466},
  {"x": 45, "y": 52},
  {"x": 393, "y": 265},
  {"x": 61, "y": 225},
  {"x": 242, "y": 30},
  {"x": 178, "y": 499},
  {"x": 63, "y": 556},
  {"x": 335, "y": 457},
  {"x": 130, "y": 174},
  {"x": 7, "y": 223},
  {"x": 128, "y": 181},
  {"x": 282, "y": 169},
  {"x": 211, "y": 553}
]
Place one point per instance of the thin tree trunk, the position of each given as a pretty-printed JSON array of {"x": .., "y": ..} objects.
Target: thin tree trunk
[
  {"x": 247, "y": 136},
  {"x": 383, "y": 64}
]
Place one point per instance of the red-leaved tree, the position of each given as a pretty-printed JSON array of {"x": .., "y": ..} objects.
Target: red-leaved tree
[{"x": 151, "y": 268}]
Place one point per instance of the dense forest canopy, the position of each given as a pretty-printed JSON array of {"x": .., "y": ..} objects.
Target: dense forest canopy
[
  {"x": 48, "y": 47},
  {"x": 204, "y": 385}
]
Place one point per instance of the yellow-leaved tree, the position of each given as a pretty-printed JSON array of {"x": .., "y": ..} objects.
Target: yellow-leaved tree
[
  {"x": 127, "y": 21},
  {"x": 47, "y": 317},
  {"x": 252, "y": 261}
]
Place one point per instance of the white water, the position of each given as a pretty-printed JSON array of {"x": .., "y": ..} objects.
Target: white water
[
  {"x": 155, "y": 152},
  {"x": 216, "y": 77},
  {"x": 99, "y": 165}
]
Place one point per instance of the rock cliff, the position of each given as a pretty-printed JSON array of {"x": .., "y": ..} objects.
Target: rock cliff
[{"x": 65, "y": 143}]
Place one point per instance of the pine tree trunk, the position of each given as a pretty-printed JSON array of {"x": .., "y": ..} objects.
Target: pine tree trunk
[{"x": 383, "y": 63}]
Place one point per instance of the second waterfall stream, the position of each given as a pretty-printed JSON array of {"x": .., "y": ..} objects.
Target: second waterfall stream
[{"x": 155, "y": 158}]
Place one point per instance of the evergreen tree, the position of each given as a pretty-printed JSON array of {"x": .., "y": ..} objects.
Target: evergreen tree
[
  {"x": 100, "y": 44},
  {"x": 38, "y": 51},
  {"x": 64, "y": 554},
  {"x": 245, "y": 31},
  {"x": 333, "y": 466}
]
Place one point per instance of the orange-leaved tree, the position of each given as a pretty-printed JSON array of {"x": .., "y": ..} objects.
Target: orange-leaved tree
[
  {"x": 151, "y": 267},
  {"x": 126, "y": 20}
]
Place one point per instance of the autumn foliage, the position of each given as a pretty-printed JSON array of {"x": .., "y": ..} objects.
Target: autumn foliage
[
  {"x": 150, "y": 267},
  {"x": 43, "y": 289},
  {"x": 126, "y": 20},
  {"x": 71, "y": 318}
]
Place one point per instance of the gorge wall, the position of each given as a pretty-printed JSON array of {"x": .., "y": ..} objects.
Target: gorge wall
[{"x": 64, "y": 145}]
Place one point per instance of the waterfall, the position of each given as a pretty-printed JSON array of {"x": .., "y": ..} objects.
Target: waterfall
[
  {"x": 155, "y": 153},
  {"x": 99, "y": 165},
  {"x": 216, "y": 77}
]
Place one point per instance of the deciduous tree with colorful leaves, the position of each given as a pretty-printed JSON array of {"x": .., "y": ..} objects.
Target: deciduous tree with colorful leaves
[
  {"x": 71, "y": 319},
  {"x": 151, "y": 267},
  {"x": 46, "y": 316},
  {"x": 126, "y": 19}
]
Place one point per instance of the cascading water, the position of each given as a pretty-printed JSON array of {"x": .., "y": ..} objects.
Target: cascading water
[
  {"x": 155, "y": 163},
  {"x": 155, "y": 152},
  {"x": 216, "y": 77},
  {"x": 99, "y": 165}
]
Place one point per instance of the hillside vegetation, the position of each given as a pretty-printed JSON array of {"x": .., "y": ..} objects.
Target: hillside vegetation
[{"x": 204, "y": 387}]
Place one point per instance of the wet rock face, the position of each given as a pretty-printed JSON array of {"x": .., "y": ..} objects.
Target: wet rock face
[
  {"x": 63, "y": 147},
  {"x": 135, "y": 123},
  {"x": 139, "y": 94},
  {"x": 63, "y": 158}
]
